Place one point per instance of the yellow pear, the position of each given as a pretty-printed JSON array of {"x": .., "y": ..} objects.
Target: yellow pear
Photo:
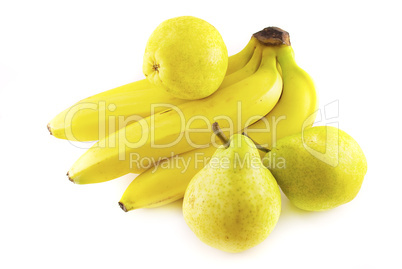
[
  {"x": 319, "y": 169},
  {"x": 186, "y": 56},
  {"x": 234, "y": 202}
]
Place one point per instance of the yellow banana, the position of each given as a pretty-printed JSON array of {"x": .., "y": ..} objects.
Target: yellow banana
[
  {"x": 241, "y": 58},
  {"x": 97, "y": 116},
  {"x": 169, "y": 132},
  {"x": 297, "y": 107},
  {"x": 294, "y": 111}
]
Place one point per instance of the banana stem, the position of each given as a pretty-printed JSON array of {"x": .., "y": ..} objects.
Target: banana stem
[
  {"x": 273, "y": 36},
  {"x": 258, "y": 146},
  {"x": 218, "y": 132}
]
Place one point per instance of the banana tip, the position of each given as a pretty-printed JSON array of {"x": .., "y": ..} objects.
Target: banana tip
[
  {"x": 123, "y": 207},
  {"x": 49, "y": 128},
  {"x": 69, "y": 178}
]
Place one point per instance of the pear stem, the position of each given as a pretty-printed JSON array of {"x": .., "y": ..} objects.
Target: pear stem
[
  {"x": 258, "y": 146},
  {"x": 218, "y": 132}
]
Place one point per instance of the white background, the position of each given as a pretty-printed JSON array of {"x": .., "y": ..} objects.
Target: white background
[{"x": 54, "y": 53}]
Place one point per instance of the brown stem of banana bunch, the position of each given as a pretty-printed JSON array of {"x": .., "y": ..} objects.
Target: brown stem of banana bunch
[{"x": 273, "y": 36}]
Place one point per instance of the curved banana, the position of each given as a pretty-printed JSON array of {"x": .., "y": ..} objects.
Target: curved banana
[
  {"x": 97, "y": 116},
  {"x": 250, "y": 68},
  {"x": 297, "y": 107},
  {"x": 138, "y": 146},
  {"x": 241, "y": 58},
  {"x": 294, "y": 111}
]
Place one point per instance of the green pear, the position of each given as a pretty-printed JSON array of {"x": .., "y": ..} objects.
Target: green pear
[
  {"x": 234, "y": 202},
  {"x": 318, "y": 169}
]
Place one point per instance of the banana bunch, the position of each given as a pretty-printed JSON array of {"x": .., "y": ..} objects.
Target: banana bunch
[{"x": 265, "y": 94}]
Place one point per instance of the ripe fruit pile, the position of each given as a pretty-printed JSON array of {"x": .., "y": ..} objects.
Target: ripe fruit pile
[{"x": 167, "y": 129}]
